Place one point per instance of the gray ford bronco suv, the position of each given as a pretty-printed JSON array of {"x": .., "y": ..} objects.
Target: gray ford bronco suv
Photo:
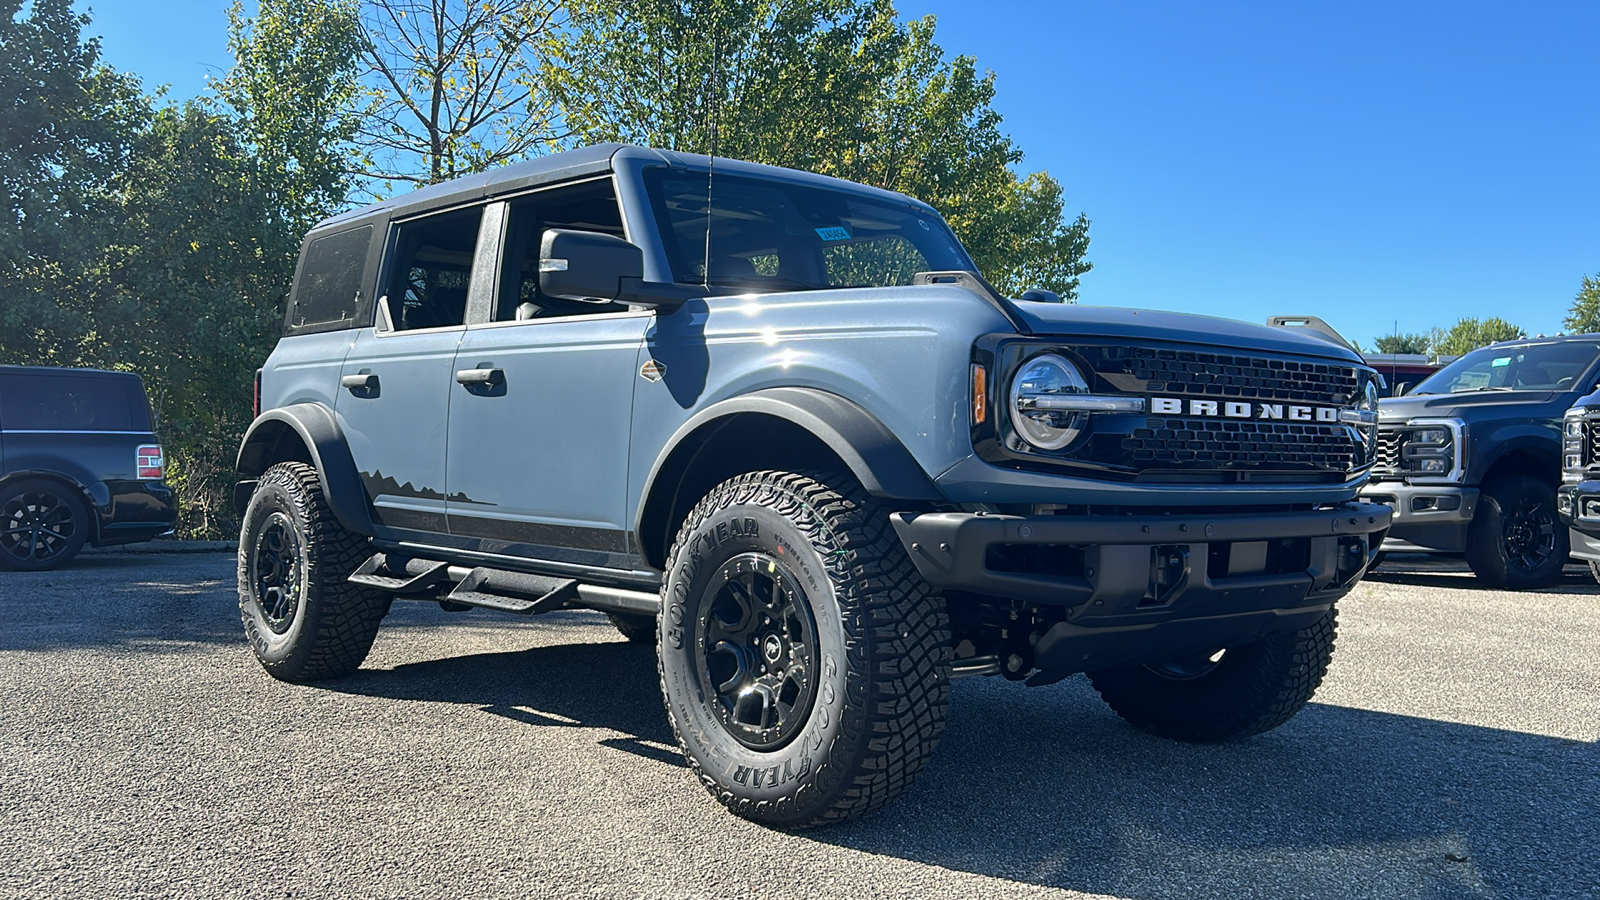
[{"x": 778, "y": 425}]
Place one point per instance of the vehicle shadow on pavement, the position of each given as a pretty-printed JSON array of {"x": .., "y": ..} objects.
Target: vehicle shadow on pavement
[
  {"x": 1047, "y": 787},
  {"x": 124, "y": 601}
]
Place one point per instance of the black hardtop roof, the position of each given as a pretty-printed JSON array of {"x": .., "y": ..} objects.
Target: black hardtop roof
[
  {"x": 598, "y": 159},
  {"x": 9, "y": 369}
]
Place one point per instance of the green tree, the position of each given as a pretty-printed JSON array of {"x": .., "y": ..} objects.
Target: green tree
[
  {"x": 840, "y": 87},
  {"x": 1402, "y": 343},
  {"x": 66, "y": 129},
  {"x": 1584, "y": 316},
  {"x": 1470, "y": 334}
]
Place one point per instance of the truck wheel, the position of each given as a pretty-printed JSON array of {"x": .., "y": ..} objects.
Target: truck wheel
[
  {"x": 1226, "y": 695},
  {"x": 1515, "y": 540},
  {"x": 42, "y": 525},
  {"x": 637, "y": 629},
  {"x": 304, "y": 621},
  {"x": 805, "y": 664}
]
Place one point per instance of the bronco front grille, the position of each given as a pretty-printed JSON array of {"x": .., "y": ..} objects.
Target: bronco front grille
[
  {"x": 1227, "y": 375},
  {"x": 1236, "y": 444}
]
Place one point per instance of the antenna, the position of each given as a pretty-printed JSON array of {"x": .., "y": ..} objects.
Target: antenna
[{"x": 715, "y": 94}]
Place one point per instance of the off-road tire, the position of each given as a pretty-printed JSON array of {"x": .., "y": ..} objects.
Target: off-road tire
[
  {"x": 637, "y": 629},
  {"x": 1505, "y": 506},
  {"x": 326, "y": 625},
  {"x": 881, "y": 641},
  {"x": 1251, "y": 689},
  {"x": 46, "y": 504}
]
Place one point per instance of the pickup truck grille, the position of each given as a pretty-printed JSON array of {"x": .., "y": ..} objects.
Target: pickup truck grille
[
  {"x": 1387, "y": 459},
  {"x": 1591, "y": 441}
]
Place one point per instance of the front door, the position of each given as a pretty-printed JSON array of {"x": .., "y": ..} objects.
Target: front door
[
  {"x": 396, "y": 383},
  {"x": 539, "y": 441}
]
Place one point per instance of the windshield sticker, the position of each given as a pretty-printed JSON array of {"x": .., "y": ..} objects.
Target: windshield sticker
[
  {"x": 835, "y": 233},
  {"x": 1502, "y": 361}
]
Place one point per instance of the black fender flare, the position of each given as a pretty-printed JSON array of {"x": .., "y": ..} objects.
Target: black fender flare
[
  {"x": 317, "y": 429},
  {"x": 1532, "y": 439},
  {"x": 870, "y": 450}
]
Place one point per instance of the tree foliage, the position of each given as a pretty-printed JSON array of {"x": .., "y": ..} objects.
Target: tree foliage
[
  {"x": 1470, "y": 334},
  {"x": 1584, "y": 316},
  {"x": 1403, "y": 343},
  {"x": 839, "y": 87},
  {"x": 453, "y": 86}
]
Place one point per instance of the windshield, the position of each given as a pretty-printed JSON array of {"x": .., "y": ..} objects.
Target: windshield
[
  {"x": 1517, "y": 367},
  {"x": 768, "y": 235}
]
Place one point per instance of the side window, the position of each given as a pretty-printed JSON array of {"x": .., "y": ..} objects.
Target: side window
[
  {"x": 875, "y": 262},
  {"x": 428, "y": 281},
  {"x": 584, "y": 207},
  {"x": 328, "y": 293},
  {"x": 70, "y": 403}
]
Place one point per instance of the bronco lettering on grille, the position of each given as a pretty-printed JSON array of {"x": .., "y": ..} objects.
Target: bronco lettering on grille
[{"x": 1238, "y": 409}]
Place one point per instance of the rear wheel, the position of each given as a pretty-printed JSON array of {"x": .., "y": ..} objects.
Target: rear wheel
[
  {"x": 1226, "y": 694},
  {"x": 304, "y": 620},
  {"x": 42, "y": 525},
  {"x": 1515, "y": 539},
  {"x": 805, "y": 664}
]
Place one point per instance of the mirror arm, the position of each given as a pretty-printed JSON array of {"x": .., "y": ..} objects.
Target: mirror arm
[{"x": 656, "y": 293}]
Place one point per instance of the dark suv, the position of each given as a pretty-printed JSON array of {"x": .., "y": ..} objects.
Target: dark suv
[
  {"x": 778, "y": 425},
  {"x": 1471, "y": 458},
  {"x": 79, "y": 464}
]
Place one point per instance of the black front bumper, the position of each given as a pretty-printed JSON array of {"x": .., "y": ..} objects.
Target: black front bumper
[{"x": 1137, "y": 588}]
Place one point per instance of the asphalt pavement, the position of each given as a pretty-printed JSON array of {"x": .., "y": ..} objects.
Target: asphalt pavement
[{"x": 1452, "y": 752}]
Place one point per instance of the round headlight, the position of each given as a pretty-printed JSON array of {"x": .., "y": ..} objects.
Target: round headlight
[{"x": 1037, "y": 381}]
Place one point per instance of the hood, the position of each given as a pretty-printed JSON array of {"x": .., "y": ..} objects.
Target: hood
[
  {"x": 1469, "y": 403},
  {"x": 1207, "y": 331}
]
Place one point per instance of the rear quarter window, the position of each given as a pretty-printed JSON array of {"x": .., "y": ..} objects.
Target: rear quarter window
[
  {"x": 327, "y": 293},
  {"x": 40, "y": 402}
]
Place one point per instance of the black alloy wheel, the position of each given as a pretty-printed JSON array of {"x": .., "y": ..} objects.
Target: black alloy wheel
[
  {"x": 758, "y": 650},
  {"x": 41, "y": 526},
  {"x": 277, "y": 567},
  {"x": 1528, "y": 535}
]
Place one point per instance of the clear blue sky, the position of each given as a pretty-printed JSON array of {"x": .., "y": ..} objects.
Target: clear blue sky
[{"x": 1364, "y": 162}]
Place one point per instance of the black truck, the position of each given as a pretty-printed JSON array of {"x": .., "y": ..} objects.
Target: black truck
[{"x": 1470, "y": 459}]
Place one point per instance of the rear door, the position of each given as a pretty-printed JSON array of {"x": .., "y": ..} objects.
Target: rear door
[
  {"x": 397, "y": 380},
  {"x": 539, "y": 447}
]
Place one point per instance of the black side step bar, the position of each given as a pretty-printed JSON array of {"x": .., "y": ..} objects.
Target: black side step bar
[
  {"x": 513, "y": 592},
  {"x": 420, "y": 575},
  {"x": 500, "y": 589}
]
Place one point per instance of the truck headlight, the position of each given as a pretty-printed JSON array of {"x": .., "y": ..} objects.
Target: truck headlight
[
  {"x": 1039, "y": 380},
  {"x": 1573, "y": 451},
  {"x": 1428, "y": 449}
]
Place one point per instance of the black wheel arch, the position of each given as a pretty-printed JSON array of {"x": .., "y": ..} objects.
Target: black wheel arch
[
  {"x": 308, "y": 433},
  {"x": 1529, "y": 453},
  {"x": 93, "y": 507},
  {"x": 785, "y": 428}
]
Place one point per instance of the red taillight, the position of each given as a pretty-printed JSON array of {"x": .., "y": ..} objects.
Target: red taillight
[
  {"x": 150, "y": 462},
  {"x": 255, "y": 399}
]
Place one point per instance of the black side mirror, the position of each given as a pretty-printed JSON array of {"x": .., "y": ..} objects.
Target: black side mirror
[{"x": 586, "y": 265}]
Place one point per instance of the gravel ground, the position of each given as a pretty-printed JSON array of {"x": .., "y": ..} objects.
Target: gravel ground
[{"x": 1452, "y": 752}]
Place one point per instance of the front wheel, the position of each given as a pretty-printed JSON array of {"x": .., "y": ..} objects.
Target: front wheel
[
  {"x": 304, "y": 620},
  {"x": 1227, "y": 694},
  {"x": 804, "y": 662},
  {"x": 1515, "y": 540}
]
